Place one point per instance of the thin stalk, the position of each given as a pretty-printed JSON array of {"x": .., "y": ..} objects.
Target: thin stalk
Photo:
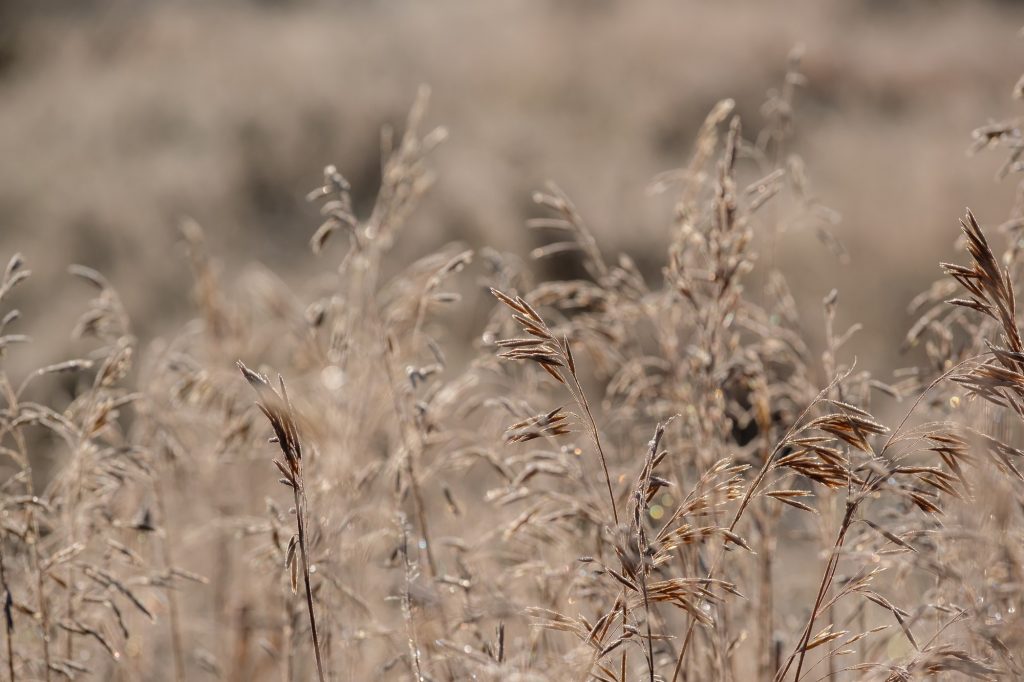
[
  {"x": 581, "y": 400},
  {"x": 407, "y": 425},
  {"x": 8, "y": 622},
  {"x": 44, "y": 614},
  {"x": 286, "y": 640},
  {"x": 826, "y": 581},
  {"x": 625, "y": 623},
  {"x": 300, "y": 512},
  {"x": 647, "y": 612},
  {"x": 410, "y": 624}
]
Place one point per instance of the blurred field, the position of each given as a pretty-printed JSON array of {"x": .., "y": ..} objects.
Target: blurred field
[
  {"x": 122, "y": 121},
  {"x": 120, "y": 118}
]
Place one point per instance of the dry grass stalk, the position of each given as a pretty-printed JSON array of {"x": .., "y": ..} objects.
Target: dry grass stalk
[
  {"x": 277, "y": 408},
  {"x": 555, "y": 357}
]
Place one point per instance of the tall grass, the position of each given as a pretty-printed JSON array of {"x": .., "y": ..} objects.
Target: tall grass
[{"x": 504, "y": 511}]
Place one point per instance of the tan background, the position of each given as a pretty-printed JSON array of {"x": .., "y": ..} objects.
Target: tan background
[{"x": 119, "y": 118}]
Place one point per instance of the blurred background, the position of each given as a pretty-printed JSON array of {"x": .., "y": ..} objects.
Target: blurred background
[{"x": 119, "y": 118}]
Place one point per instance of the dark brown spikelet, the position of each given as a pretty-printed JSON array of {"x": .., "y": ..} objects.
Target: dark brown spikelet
[
  {"x": 278, "y": 410},
  {"x": 987, "y": 282},
  {"x": 540, "y": 346},
  {"x": 851, "y": 428},
  {"x": 553, "y": 423}
]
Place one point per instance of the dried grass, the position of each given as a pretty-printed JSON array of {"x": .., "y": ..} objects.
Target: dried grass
[{"x": 159, "y": 507}]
